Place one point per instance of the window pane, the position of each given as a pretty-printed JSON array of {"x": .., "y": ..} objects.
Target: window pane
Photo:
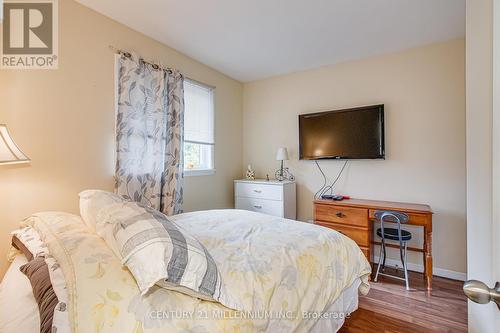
[
  {"x": 199, "y": 115},
  {"x": 198, "y": 156},
  {"x": 191, "y": 156}
]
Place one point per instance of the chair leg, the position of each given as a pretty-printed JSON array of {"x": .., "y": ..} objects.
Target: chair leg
[
  {"x": 378, "y": 265},
  {"x": 405, "y": 265},
  {"x": 401, "y": 253},
  {"x": 383, "y": 248}
]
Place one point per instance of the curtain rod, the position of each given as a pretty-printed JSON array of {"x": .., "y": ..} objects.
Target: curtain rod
[
  {"x": 129, "y": 55},
  {"x": 155, "y": 66}
]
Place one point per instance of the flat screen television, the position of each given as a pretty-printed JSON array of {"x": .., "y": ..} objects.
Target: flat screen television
[{"x": 356, "y": 133}]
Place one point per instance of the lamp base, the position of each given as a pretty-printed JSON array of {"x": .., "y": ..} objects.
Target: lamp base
[{"x": 284, "y": 175}]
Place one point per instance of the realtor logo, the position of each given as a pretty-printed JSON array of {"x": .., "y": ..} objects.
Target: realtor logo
[{"x": 29, "y": 35}]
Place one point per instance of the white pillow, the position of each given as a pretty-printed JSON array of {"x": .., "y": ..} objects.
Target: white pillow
[
  {"x": 18, "y": 308},
  {"x": 91, "y": 201},
  {"x": 159, "y": 252}
]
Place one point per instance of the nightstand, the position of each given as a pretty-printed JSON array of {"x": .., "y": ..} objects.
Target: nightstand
[{"x": 269, "y": 197}]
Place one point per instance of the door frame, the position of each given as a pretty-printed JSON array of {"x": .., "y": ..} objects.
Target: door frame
[{"x": 483, "y": 143}]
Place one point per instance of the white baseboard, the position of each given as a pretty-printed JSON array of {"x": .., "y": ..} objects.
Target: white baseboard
[{"x": 420, "y": 268}]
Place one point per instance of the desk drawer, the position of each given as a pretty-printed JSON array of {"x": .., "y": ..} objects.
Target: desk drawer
[
  {"x": 360, "y": 236},
  {"x": 414, "y": 219},
  {"x": 269, "y": 207},
  {"x": 342, "y": 215},
  {"x": 259, "y": 191}
]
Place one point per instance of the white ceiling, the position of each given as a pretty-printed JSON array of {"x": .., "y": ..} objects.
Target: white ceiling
[{"x": 253, "y": 39}]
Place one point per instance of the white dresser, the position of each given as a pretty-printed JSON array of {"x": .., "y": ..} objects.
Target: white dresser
[{"x": 269, "y": 197}]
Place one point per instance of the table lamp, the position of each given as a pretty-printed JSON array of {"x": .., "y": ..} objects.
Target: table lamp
[
  {"x": 9, "y": 151},
  {"x": 281, "y": 155}
]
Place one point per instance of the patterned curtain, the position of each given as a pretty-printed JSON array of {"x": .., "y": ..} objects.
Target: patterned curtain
[{"x": 149, "y": 135}]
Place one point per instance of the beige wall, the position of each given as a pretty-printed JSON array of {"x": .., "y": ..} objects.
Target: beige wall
[
  {"x": 423, "y": 90},
  {"x": 64, "y": 120}
]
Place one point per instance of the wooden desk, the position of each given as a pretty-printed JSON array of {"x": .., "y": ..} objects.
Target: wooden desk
[{"x": 354, "y": 218}]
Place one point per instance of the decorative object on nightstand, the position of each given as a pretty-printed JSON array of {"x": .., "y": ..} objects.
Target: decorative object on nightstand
[
  {"x": 283, "y": 173},
  {"x": 271, "y": 197},
  {"x": 9, "y": 151},
  {"x": 287, "y": 175},
  {"x": 250, "y": 174}
]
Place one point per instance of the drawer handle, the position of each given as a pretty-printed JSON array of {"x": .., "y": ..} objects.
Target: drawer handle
[
  {"x": 257, "y": 206},
  {"x": 257, "y": 191},
  {"x": 340, "y": 214}
]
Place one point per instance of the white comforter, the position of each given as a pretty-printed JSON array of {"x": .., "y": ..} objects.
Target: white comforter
[{"x": 284, "y": 272}]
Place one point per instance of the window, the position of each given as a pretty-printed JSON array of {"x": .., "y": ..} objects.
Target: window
[{"x": 198, "y": 129}]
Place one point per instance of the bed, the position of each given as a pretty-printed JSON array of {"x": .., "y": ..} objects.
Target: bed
[{"x": 291, "y": 277}]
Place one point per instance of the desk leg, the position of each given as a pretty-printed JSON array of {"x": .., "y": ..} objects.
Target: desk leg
[{"x": 428, "y": 258}]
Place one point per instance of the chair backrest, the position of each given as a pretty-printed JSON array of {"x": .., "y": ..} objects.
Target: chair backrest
[
  {"x": 394, "y": 217},
  {"x": 391, "y": 216}
]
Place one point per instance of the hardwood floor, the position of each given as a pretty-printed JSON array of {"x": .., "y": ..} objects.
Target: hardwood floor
[{"x": 388, "y": 307}]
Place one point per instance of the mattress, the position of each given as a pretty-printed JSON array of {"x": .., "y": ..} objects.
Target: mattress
[{"x": 19, "y": 311}]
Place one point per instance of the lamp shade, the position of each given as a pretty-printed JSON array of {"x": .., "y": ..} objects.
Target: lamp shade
[
  {"x": 282, "y": 154},
  {"x": 9, "y": 151}
]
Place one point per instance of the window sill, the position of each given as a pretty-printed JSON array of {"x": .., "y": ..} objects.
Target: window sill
[{"x": 203, "y": 172}]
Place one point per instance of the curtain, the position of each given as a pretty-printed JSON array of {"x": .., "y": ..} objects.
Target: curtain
[{"x": 149, "y": 134}]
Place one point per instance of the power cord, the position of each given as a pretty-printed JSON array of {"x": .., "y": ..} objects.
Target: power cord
[
  {"x": 316, "y": 197},
  {"x": 325, "y": 188}
]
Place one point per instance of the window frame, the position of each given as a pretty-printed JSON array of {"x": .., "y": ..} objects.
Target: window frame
[{"x": 211, "y": 170}]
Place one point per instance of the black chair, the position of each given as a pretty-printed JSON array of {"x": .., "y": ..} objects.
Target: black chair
[{"x": 394, "y": 234}]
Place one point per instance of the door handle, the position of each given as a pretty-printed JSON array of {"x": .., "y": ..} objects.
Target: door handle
[
  {"x": 257, "y": 191},
  {"x": 479, "y": 292},
  {"x": 258, "y": 206}
]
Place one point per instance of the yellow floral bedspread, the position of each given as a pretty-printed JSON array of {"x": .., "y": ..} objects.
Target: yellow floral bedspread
[{"x": 282, "y": 271}]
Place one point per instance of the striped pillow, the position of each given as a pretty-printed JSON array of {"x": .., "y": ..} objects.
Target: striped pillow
[{"x": 159, "y": 252}]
